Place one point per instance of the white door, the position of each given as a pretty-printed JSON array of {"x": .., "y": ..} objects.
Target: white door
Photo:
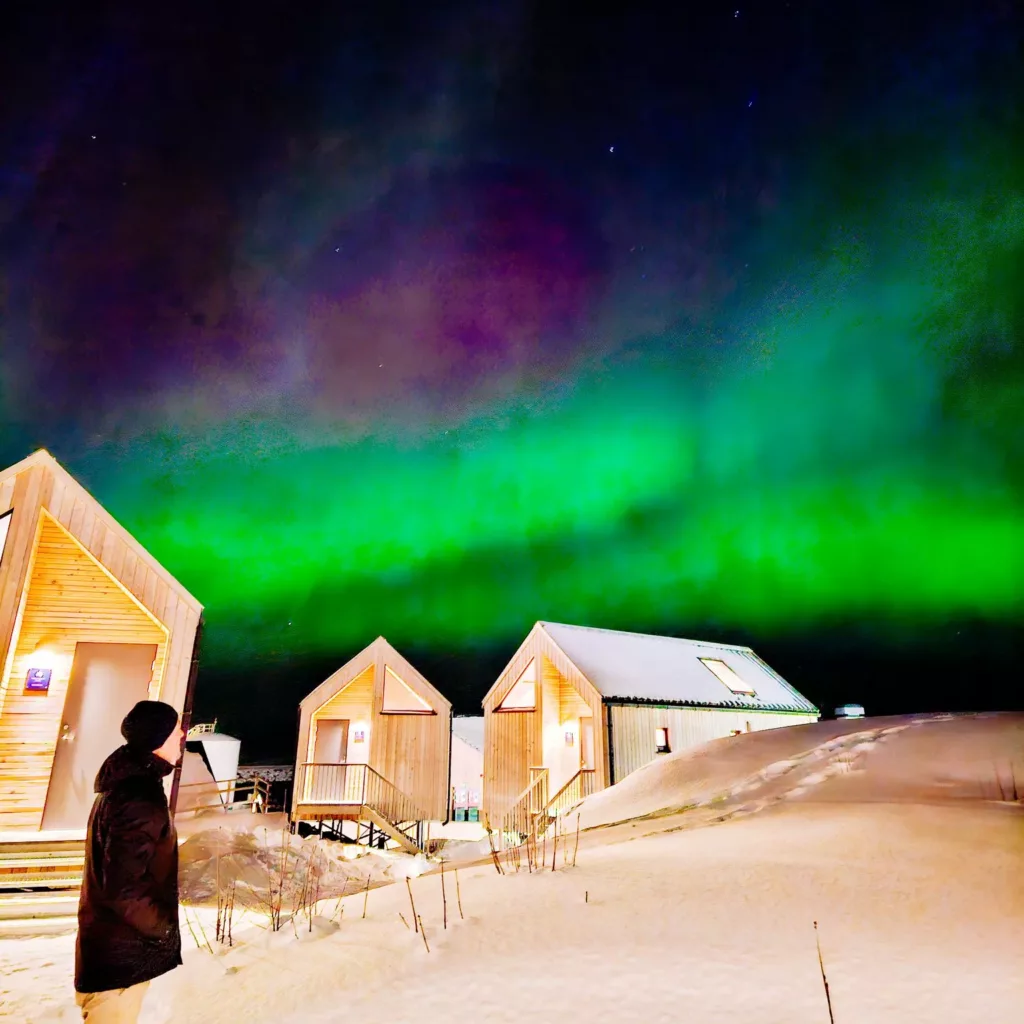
[{"x": 107, "y": 680}]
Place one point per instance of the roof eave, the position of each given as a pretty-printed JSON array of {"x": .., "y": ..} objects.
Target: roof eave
[{"x": 710, "y": 706}]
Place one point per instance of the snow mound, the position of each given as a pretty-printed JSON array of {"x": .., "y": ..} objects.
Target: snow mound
[
  {"x": 918, "y": 759},
  {"x": 251, "y": 864}
]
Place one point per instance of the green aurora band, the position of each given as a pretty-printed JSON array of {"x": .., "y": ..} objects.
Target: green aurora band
[{"x": 849, "y": 446}]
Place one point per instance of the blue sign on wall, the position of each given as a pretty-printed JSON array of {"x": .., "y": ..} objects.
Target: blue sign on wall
[{"x": 38, "y": 680}]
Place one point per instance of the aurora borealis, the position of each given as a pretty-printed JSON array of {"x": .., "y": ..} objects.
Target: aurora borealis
[{"x": 377, "y": 344}]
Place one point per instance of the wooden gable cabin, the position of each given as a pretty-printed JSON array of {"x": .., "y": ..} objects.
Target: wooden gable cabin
[
  {"x": 577, "y": 709},
  {"x": 90, "y": 623},
  {"x": 374, "y": 751}
]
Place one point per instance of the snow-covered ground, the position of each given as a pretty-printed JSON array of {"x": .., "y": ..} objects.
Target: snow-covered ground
[{"x": 693, "y": 898}]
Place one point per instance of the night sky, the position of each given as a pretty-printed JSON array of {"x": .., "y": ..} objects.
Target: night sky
[{"x": 432, "y": 320}]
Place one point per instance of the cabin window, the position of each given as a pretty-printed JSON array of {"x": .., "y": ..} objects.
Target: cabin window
[
  {"x": 661, "y": 741},
  {"x": 727, "y": 675},
  {"x": 523, "y": 695},
  {"x": 5, "y": 526},
  {"x": 400, "y": 698}
]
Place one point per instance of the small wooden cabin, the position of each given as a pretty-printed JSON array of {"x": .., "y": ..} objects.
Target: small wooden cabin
[
  {"x": 373, "y": 751},
  {"x": 90, "y": 623},
  {"x": 577, "y": 709}
]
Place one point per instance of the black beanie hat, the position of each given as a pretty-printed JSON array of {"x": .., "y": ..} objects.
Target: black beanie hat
[{"x": 148, "y": 725}]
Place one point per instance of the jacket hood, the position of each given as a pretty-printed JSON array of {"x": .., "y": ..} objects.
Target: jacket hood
[{"x": 125, "y": 763}]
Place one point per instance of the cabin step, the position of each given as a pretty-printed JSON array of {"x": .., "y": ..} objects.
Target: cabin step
[
  {"x": 20, "y": 911},
  {"x": 41, "y": 865},
  {"x": 391, "y": 829}
]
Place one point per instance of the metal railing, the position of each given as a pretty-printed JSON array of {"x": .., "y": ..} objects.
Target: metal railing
[
  {"x": 328, "y": 785},
  {"x": 226, "y": 795}
]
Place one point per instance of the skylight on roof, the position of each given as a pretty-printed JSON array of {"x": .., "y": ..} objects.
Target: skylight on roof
[{"x": 727, "y": 675}]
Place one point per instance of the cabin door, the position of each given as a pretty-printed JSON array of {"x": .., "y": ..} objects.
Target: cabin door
[
  {"x": 331, "y": 784},
  {"x": 331, "y": 746},
  {"x": 587, "y": 742},
  {"x": 106, "y": 682}
]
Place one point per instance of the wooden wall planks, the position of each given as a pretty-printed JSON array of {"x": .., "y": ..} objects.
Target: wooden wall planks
[
  {"x": 67, "y": 573},
  {"x": 411, "y": 751}
]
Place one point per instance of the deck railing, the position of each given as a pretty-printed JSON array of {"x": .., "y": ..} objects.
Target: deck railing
[
  {"x": 577, "y": 789},
  {"x": 518, "y": 821},
  {"x": 326, "y": 785},
  {"x": 533, "y": 810}
]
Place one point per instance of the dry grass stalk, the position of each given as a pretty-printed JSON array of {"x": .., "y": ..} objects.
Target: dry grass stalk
[
  {"x": 458, "y": 895},
  {"x": 412, "y": 902},
  {"x": 576, "y": 848},
  {"x": 402, "y": 916},
  {"x": 423, "y": 932},
  {"x": 554, "y": 848},
  {"x": 195, "y": 938},
  {"x": 824, "y": 979},
  {"x": 444, "y": 896},
  {"x": 366, "y": 896},
  {"x": 494, "y": 852}
]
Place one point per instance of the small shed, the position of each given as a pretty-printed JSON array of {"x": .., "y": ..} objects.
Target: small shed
[
  {"x": 373, "y": 750},
  {"x": 577, "y": 709},
  {"x": 90, "y": 623}
]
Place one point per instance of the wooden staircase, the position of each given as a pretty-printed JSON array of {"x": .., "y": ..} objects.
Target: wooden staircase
[
  {"x": 534, "y": 812},
  {"x": 40, "y": 879},
  {"x": 357, "y": 792}
]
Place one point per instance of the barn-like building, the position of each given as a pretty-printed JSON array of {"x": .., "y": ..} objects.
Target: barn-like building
[{"x": 577, "y": 709}]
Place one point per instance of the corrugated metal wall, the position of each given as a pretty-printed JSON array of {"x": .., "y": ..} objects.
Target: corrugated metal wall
[{"x": 633, "y": 730}]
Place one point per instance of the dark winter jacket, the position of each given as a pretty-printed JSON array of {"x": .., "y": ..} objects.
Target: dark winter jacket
[{"x": 128, "y": 912}]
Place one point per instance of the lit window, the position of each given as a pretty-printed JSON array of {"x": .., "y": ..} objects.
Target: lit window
[
  {"x": 728, "y": 676},
  {"x": 399, "y": 698},
  {"x": 523, "y": 695},
  {"x": 661, "y": 741},
  {"x": 5, "y": 526}
]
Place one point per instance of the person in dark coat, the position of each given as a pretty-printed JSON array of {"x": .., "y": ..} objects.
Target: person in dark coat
[{"x": 128, "y": 912}]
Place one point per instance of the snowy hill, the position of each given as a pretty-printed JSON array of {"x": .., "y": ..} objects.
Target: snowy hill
[{"x": 892, "y": 834}]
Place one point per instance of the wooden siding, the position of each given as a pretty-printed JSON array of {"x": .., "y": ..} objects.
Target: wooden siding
[
  {"x": 85, "y": 561},
  {"x": 514, "y": 740},
  {"x": 69, "y": 599},
  {"x": 633, "y": 728},
  {"x": 410, "y": 750},
  {"x": 354, "y": 702}
]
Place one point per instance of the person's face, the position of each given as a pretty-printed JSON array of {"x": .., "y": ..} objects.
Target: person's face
[{"x": 171, "y": 749}]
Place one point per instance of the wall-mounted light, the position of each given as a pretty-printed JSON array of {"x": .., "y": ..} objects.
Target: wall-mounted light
[
  {"x": 570, "y": 739},
  {"x": 661, "y": 741},
  {"x": 359, "y": 736}
]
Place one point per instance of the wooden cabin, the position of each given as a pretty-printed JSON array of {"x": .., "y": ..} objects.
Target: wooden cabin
[
  {"x": 577, "y": 709},
  {"x": 90, "y": 623},
  {"x": 373, "y": 751}
]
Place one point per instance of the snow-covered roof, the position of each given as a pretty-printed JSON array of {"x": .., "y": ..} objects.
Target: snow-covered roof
[
  {"x": 638, "y": 668},
  {"x": 469, "y": 729}
]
